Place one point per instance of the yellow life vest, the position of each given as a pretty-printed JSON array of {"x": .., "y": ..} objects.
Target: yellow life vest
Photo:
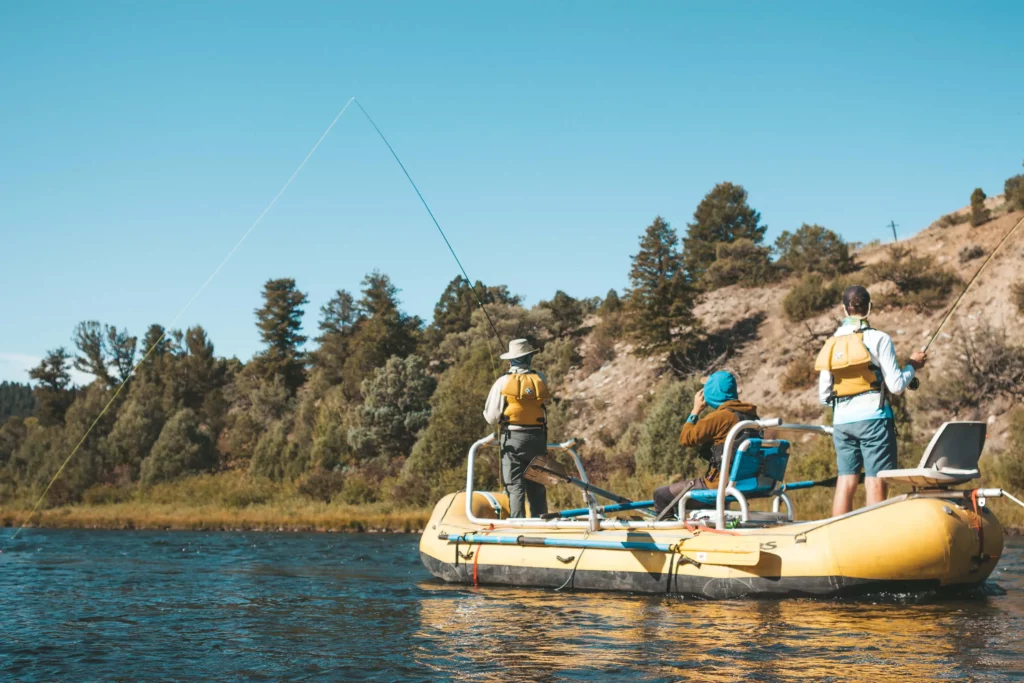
[
  {"x": 525, "y": 395},
  {"x": 849, "y": 361}
]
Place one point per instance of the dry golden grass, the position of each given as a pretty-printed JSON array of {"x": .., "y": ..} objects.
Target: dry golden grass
[{"x": 227, "y": 500}]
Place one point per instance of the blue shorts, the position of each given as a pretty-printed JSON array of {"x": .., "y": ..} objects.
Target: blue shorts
[{"x": 870, "y": 444}]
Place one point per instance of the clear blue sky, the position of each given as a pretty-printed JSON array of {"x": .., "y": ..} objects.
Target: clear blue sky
[{"x": 138, "y": 140}]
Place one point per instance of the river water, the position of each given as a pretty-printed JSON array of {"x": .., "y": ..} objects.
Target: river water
[{"x": 128, "y": 606}]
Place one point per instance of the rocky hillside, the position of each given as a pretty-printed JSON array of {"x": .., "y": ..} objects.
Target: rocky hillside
[{"x": 764, "y": 343}]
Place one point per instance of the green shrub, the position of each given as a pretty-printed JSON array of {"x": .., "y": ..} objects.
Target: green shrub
[
  {"x": 985, "y": 366},
  {"x": 811, "y": 296},
  {"x": 799, "y": 375},
  {"x": 1017, "y": 291},
  {"x": 359, "y": 489},
  {"x": 813, "y": 249},
  {"x": 106, "y": 494},
  {"x": 249, "y": 491},
  {"x": 979, "y": 213},
  {"x": 557, "y": 358},
  {"x": 658, "y": 449},
  {"x": 321, "y": 484},
  {"x": 740, "y": 263},
  {"x": 919, "y": 281},
  {"x": 970, "y": 252},
  {"x": 183, "y": 447},
  {"x": 953, "y": 219},
  {"x": 602, "y": 348},
  {"x": 1013, "y": 189}
]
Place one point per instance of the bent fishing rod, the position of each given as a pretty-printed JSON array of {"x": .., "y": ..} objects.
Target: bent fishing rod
[{"x": 915, "y": 383}]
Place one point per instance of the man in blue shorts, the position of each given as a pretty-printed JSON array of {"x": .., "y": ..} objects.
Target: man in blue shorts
[{"x": 858, "y": 369}]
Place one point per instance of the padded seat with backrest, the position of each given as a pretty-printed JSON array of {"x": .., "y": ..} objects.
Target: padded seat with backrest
[
  {"x": 757, "y": 470},
  {"x": 950, "y": 458}
]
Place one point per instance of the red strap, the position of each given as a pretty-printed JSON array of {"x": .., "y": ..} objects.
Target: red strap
[{"x": 476, "y": 558}]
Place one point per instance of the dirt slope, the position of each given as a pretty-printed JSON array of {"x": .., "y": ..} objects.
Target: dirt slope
[{"x": 766, "y": 342}]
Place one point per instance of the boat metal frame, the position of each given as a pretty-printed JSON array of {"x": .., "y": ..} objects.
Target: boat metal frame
[{"x": 594, "y": 522}]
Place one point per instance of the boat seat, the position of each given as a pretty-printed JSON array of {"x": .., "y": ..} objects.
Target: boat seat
[
  {"x": 951, "y": 458},
  {"x": 757, "y": 470}
]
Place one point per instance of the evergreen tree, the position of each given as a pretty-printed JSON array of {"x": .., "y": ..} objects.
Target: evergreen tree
[
  {"x": 722, "y": 216},
  {"x": 183, "y": 447},
  {"x": 439, "y": 455},
  {"x": 566, "y": 313},
  {"x": 16, "y": 399},
  {"x": 453, "y": 312},
  {"x": 813, "y": 249},
  {"x": 338, "y": 318},
  {"x": 103, "y": 347},
  {"x": 382, "y": 332},
  {"x": 280, "y": 322},
  {"x": 89, "y": 340},
  {"x": 740, "y": 263},
  {"x": 979, "y": 213},
  {"x": 395, "y": 408},
  {"x": 52, "y": 391},
  {"x": 611, "y": 304},
  {"x": 659, "y": 308},
  {"x": 1013, "y": 191}
]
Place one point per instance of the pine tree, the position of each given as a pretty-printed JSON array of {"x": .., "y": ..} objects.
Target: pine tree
[
  {"x": 280, "y": 321},
  {"x": 16, "y": 399},
  {"x": 453, "y": 312},
  {"x": 88, "y": 337},
  {"x": 338, "y": 318},
  {"x": 659, "y": 308},
  {"x": 53, "y": 392},
  {"x": 382, "y": 332},
  {"x": 611, "y": 304},
  {"x": 979, "y": 213},
  {"x": 566, "y": 313},
  {"x": 722, "y": 216}
]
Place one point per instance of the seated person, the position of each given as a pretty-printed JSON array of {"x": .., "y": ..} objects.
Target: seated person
[{"x": 709, "y": 434}]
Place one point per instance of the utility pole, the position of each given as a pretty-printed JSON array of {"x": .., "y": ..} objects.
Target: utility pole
[{"x": 892, "y": 224}]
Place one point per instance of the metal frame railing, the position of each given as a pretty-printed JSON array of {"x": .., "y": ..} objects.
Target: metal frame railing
[{"x": 726, "y": 487}]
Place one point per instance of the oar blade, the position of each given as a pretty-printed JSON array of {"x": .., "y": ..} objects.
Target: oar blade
[
  {"x": 546, "y": 471},
  {"x": 732, "y": 551}
]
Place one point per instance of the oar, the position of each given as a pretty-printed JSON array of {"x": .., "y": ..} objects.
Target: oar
[
  {"x": 827, "y": 483},
  {"x": 703, "y": 549},
  {"x": 548, "y": 472},
  {"x": 618, "y": 507}
]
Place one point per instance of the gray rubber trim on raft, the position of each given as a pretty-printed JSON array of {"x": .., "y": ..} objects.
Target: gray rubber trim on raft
[{"x": 685, "y": 585}]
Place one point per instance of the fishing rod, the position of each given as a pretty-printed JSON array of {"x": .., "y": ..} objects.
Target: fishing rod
[
  {"x": 915, "y": 383},
  {"x": 437, "y": 225}
]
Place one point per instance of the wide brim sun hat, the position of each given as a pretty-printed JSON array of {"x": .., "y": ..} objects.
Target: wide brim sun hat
[{"x": 518, "y": 348}]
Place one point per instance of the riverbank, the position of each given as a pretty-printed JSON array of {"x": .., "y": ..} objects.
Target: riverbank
[
  {"x": 222, "y": 501},
  {"x": 208, "y": 518}
]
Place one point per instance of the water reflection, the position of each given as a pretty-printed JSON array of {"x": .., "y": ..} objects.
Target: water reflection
[
  {"x": 493, "y": 634},
  {"x": 85, "y": 606}
]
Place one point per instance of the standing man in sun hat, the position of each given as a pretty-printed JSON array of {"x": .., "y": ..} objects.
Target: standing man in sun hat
[{"x": 517, "y": 401}]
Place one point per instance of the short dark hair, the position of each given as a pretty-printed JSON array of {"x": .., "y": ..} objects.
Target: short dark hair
[{"x": 856, "y": 300}]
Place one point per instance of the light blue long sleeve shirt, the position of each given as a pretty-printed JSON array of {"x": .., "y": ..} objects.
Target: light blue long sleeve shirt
[{"x": 865, "y": 406}]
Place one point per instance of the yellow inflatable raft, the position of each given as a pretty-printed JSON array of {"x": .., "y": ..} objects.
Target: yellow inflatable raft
[{"x": 933, "y": 537}]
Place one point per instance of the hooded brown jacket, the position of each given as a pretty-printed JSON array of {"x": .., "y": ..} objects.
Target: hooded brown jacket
[{"x": 713, "y": 428}]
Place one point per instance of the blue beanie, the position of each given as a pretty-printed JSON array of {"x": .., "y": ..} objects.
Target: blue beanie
[{"x": 720, "y": 387}]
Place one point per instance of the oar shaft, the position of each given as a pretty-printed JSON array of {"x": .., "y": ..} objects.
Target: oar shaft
[
  {"x": 560, "y": 543},
  {"x": 618, "y": 507}
]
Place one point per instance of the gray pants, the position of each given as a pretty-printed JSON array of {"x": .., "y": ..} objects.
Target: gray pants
[{"x": 518, "y": 448}]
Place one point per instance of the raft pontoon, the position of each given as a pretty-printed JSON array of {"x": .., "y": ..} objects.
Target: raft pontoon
[{"x": 933, "y": 537}]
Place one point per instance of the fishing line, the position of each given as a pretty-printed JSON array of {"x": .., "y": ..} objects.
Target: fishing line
[
  {"x": 436, "y": 224},
  {"x": 149, "y": 352},
  {"x": 971, "y": 283}
]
